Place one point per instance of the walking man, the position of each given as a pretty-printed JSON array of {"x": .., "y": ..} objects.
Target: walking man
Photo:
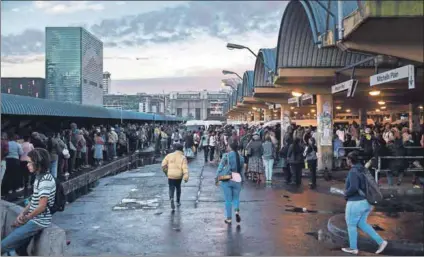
[{"x": 176, "y": 169}]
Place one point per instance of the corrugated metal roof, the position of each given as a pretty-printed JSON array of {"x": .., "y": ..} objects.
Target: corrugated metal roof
[
  {"x": 23, "y": 105},
  {"x": 248, "y": 83},
  {"x": 296, "y": 46},
  {"x": 318, "y": 16},
  {"x": 264, "y": 63}
]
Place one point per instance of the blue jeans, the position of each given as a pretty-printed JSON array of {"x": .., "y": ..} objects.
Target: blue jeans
[
  {"x": 269, "y": 165},
  {"x": 232, "y": 197},
  {"x": 356, "y": 216},
  {"x": 114, "y": 149},
  {"x": 19, "y": 237},
  {"x": 53, "y": 168}
]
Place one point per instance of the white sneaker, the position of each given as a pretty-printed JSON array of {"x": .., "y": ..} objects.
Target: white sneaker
[
  {"x": 382, "y": 247},
  {"x": 351, "y": 251}
]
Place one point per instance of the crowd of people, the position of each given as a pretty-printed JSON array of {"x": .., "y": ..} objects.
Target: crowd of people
[{"x": 71, "y": 150}]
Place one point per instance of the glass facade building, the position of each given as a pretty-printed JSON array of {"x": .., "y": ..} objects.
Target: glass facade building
[{"x": 74, "y": 66}]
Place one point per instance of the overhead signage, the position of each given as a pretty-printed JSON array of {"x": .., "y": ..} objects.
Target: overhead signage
[
  {"x": 306, "y": 97},
  {"x": 349, "y": 86},
  {"x": 407, "y": 71},
  {"x": 294, "y": 100}
]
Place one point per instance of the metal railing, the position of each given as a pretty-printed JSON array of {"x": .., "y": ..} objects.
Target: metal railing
[
  {"x": 394, "y": 158},
  {"x": 348, "y": 148}
]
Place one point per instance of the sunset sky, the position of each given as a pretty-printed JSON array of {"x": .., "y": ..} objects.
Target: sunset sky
[{"x": 181, "y": 45}]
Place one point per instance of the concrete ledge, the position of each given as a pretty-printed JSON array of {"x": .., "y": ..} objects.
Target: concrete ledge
[
  {"x": 51, "y": 241},
  {"x": 411, "y": 246},
  {"x": 387, "y": 191}
]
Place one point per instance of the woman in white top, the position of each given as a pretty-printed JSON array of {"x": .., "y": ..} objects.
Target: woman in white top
[
  {"x": 36, "y": 215},
  {"x": 212, "y": 145}
]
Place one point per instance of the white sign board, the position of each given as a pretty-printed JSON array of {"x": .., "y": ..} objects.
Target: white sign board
[
  {"x": 293, "y": 100},
  {"x": 349, "y": 85},
  {"x": 406, "y": 71},
  {"x": 306, "y": 97}
]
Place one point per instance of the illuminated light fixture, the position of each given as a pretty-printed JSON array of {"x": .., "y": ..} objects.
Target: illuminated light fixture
[
  {"x": 295, "y": 112},
  {"x": 381, "y": 102},
  {"x": 383, "y": 107},
  {"x": 296, "y": 94},
  {"x": 421, "y": 107},
  {"x": 292, "y": 108},
  {"x": 254, "y": 108},
  {"x": 338, "y": 107},
  {"x": 348, "y": 110},
  {"x": 377, "y": 110},
  {"x": 375, "y": 93},
  {"x": 312, "y": 110}
]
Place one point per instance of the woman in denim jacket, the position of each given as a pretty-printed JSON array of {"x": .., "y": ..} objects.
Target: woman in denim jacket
[{"x": 232, "y": 187}]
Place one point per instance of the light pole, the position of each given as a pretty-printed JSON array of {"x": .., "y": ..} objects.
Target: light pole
[
  {"x": 227, "y": 72},
  {"x": 232, "y": 46},
  {"x": 232, "y": 83}
]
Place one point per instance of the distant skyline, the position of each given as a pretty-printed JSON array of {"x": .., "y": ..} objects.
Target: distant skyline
[{"x": 179, "y": 44}]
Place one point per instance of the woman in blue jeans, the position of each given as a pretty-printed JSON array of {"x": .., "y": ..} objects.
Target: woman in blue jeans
[
  {"x": 36, "y": 215},
  {"x": 231, "y": 164},
  {"x": 357, "y": 207}
]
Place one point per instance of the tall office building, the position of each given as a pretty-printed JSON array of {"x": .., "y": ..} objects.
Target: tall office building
[
  {"x": 107, "y": 81},
  {"x": 74, "y": 66}
]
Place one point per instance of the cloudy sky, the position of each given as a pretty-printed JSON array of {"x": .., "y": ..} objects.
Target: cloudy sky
[{"x": 179, "y": 45}]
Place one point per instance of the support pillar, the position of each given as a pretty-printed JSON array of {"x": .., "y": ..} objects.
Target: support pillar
[
  {"x": 267, "y": 114},
  {"x": 285, "y": 121},
  {"x": 256, "y": 116},
  {"x": 414, "y": 117},
  {"x": 324, "y": 136},
  {"x": 362, "y": 113}
]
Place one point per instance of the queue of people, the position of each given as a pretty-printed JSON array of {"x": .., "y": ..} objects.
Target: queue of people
[{"x": 71, "y": 151}]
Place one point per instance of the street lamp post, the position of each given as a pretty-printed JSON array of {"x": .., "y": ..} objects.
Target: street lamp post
[
  {"x": 227, "y": 72},
  {"x": 232, "y": 46}
]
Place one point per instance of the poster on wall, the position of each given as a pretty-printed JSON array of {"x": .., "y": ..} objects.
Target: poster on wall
[
  {"x": 285, "y": 124},
  {"x": 325, "y": 131}
]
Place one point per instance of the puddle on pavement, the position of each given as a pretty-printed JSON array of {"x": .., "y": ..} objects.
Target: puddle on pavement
[
  {"x": 135, "y": 204},
  {"x": 377, "y": 227},
  {"x": 142, "y": 175},
  {"x": 292, "y": 208},
  {"x": 312, "y": 234}
]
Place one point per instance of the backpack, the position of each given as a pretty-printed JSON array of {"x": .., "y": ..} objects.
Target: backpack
[
  {"x": 59, "y": 198},
  {"x": 372, "y": 191}
]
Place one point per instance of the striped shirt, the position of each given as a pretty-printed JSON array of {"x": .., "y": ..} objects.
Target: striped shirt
[{"x": 45, "y": 188}]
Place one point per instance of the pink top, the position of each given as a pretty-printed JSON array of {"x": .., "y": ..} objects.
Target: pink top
[{"x": 26, "y": 147}]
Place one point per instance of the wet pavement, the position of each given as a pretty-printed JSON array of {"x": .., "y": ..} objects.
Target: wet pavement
[{"x": 129, "y": 214}]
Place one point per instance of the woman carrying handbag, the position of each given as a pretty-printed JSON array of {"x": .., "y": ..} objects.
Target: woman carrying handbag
[{"x": 230, "y": 174}]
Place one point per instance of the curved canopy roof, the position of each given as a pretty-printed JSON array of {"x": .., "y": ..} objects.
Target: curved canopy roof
[
  {"x": 318, "y": 15},
  {"x": 248, "y": 83},
  {"x": 264, "y": 66},
  {"x": 297, "y": 47},
  {"x": 23, "y": 105}
]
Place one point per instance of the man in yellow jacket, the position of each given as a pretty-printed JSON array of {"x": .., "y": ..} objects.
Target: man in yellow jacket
[{"x": 176, "y": 169}]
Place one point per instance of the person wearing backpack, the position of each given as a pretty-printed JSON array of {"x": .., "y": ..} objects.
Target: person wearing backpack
[
  {"x": 36, "y": 216},
  {"x": 358, "y": 207}
]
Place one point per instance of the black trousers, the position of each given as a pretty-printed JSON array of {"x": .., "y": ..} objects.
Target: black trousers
[
  {"x": 312, "y": 165},
  {"x": 174, "y": 184},
  {"x": 296, "y": 170},
  {"x": 25, "y": 173},
  {"x": 12, "y": 176},
  {"x": 211, "y": 152},
  {"x": 206, "y": 152}
]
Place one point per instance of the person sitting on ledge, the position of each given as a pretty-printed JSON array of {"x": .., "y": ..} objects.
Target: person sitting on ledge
[{"x": 36, "y": 215}]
